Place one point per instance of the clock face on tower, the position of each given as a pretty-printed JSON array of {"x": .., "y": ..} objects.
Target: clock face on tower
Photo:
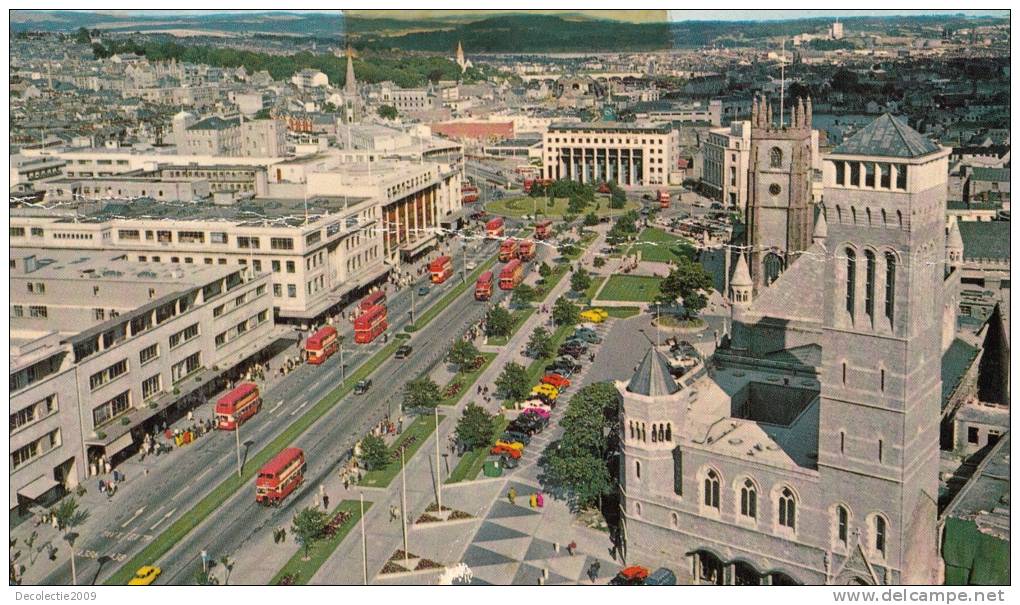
[{"x": 774, "y": 189}]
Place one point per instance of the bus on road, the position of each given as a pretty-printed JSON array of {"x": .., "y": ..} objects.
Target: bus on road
[
  {"x": 664, "y": 198},
  {"x": 511, "y": 275},
  {"x": 543, "y": 229},
  {"x": 237, "y": 406},
  {"x": 375, "y": 298},
  {"x": 526, "y": 251},
  {"x": 483, "y": 287},
  {"x": 321, "y": 345},
  {"x": 494, "y": 228},
  {"x": 280, "y": 476},
  {"x": 441, "y": 269},
  {"x": 370, "y": 324},
  {"x": 508, "y": 250}
]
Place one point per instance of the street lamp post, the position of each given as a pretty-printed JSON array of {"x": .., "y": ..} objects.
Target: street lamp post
[
  {"x": 364, "y": 543},
  {"x": 343, "y": 368},
  {"x": 403, "y": 502},
  {"x": 237, "y": 444},
  {"x": 439, "y": 483}
]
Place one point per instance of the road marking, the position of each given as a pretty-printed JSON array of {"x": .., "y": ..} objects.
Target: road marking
[
  {"x": 318, "y": 383},
  {"x": 303, "y": 404},
  {"x": 134, "y": 516},
  {"x": 275, "y": 407},
  {"x": 165, "y": 517}
]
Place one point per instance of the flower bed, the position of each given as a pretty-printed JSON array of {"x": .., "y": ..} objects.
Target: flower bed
[
  {"x": 288, "y": 579},
  {"x": 452, "y": 389},
  {"x": 391, "y": 567},
  {"x": 336, "y": 522},
  {"x": 427, "y": 518},
  {"x": 459, "y": 514},
  {"x": 427, "y": 564}
]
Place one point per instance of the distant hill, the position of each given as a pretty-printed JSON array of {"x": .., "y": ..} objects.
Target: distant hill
[{"x": 464, "y": 16}]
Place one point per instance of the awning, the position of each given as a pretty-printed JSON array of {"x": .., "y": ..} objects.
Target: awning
[
  {"x": 37, "y": 488},
  {"x": 119, "y": 443}
]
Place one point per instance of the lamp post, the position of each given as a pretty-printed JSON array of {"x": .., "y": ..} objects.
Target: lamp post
[
  {"x": 403, "y": 502},
  {"x": 237, "y": 445},
  {"x": 364, "y": 543},
  {"x": 439, "y": 483}
]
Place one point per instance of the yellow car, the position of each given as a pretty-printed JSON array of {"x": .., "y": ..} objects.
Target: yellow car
[
  {"x": 513, "y": 445},
  {"x": 546, "y": 390},
  {"x": 145, "y": 575},
  {"x": 595, "y": 316}
]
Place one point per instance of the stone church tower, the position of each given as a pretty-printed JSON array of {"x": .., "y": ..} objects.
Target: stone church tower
[
  {"x": 352, "y": 109},
  {"x": 779, "y": 210},
  {"x": 885, "y": 205}
]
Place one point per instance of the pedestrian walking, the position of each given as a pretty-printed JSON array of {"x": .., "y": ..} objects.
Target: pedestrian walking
[
  {"x": 571, "y": 547},
  {"x": 512, "y": 495},
  {"x": 325, "y": 502},
  {"x": 593, "y": 570},
  {"x": 394, "y": 513}
]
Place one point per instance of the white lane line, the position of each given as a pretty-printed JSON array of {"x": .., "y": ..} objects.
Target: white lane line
[
  {"x": 318, "y": 383},
  {"x": 165, "y": 517},
  {"x": 133, "y": 517},
  {"x": 275, "y": 407},
  {"x": 303, "y": 404},
  {"x": 204, "y": 473}
]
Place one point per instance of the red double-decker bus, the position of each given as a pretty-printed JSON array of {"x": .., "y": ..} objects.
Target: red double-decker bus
[
  {"x": 375, "y": 298},
  {"x": 664, "y": 198},
  {"x": 441, "y": 269},
  {"x": 508, "y": 250},
  {"x": 494, "y": 228},
  {"x": 237, "y": 406},
  {"x": 483, "y": 287},
  {"x": 370, "y": 324},
  {"x": 543, "y": 229},
  {"x": 527, "y": 185},
  {"x": 511, "y": 275},
  {"x": 321, "y": 345},
  {"x": 469, "y": 194},
  {"x": 526, "y": 251},
  {"x": 280, "y": 476}
]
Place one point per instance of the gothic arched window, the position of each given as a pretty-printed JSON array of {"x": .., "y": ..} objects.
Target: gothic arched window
[
  {"x": 748, "y": 500},
  {"x": 880, "y": 530},
  {"x": 890, "y": 285},
  {"x": 851, "y": 280},
  {"x": 712, "y": 490},
  {"x": 776, "y": 158},
  {"x": 869, "y": 284},
  {"x": 842, "y": 525},
  {"x": 787, "y": 509},
  {"x": 773, "y": 265}
]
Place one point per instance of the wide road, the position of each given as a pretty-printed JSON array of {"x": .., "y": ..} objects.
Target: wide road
[
  {"x": 326, "y": 444},
  {"x": 141, "y": 511}
]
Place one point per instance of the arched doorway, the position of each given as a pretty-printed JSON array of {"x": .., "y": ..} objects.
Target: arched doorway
[
  {"x": 778, "y": 578},
  {"x": 744, "y": 574},
  {"x": 708, "y": 568}
]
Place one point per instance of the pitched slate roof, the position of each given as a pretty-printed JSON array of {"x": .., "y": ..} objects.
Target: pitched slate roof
[
  {"x": 991, "y": 174},
  {"x": 985, "y": 239},
  {"x": 214, "y": 123},
  {"x": 652, "y": 377},
  {"x": 887, "y": 136},
  {"x": 797, "y": 294}
]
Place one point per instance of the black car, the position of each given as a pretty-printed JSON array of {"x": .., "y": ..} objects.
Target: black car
[
  {"x": 527, "y": 424},
  {"x": 574, "y": 349},
  {"x": 423, "y": 291},
  {"x": 362, "y": 387},
  {"x": 521, "y": 436},
  {"x": 563, "y": 366},
  {"x": 508, "y": 462},
  {"x": 403, "y": 351}
]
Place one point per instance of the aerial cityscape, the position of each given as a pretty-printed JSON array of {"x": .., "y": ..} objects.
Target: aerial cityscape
[{"x": 534, "y": 297}]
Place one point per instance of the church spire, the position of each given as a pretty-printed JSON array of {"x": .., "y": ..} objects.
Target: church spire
[{"x": 350, "y": 83}]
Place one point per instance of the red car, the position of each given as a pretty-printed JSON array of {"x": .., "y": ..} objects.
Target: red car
[
  {"x": 505, "y": 451},
  {"x": 556, "y": 380}
]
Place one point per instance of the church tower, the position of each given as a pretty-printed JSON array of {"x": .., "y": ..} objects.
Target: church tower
[
  {"x": 352, "y": 100},
  {"x": 885, "y": 204},
  {"x": 461, "y": 61},
  {"x": 779, "y": 209}
]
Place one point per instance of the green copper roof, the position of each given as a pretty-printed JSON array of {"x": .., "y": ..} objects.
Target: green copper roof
[{"x": 887, "y": 136}]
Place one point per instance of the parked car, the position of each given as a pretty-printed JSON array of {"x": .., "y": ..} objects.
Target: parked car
[
  {"x": 509, "y": 461},
  {"x": 595, "y": 316},
  {"x": 588, "y": 337},
  {"x": 514, "y": 445},
  {"x": 519, "y": 436},
  {"x": 526, "y": 423},
  {"x": 574, "y": 349},
  {"x": 556, "y": 380},
  {"x": 661, "y": 577},
  {"x": 565, "y": 366},
  {"x": 635, "y": 575},
  {"x": 502, "y": 450},
  {"x": 363, "y": 386},
  {"x": 403, "y": 351},
  {"x": 145, "y": 575},
  {"x": 423, "y": 291},
  {"x": 546, "y": 391}
]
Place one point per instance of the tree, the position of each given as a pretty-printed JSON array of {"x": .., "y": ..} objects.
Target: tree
[
  {"x": 498, "y": 322},
  {"x": 580, "y": 281},
  {"x": 69, "y": 516},
  {"x": 476, "y": 427},
  {"x": 523, "y": 295},
  {"x": 82, "y": 36},
  {"x": 513, "y": 383},
  {"x": 688, "y": 281},
  {"x": 565, "y": 312},
  {"x": 580, "y": 476},
  {"x": 576, "y": 204},
  {"x": 422, "y": 393},
  {"x": 591, "y": 219},
  {"x": 617, "y": 196},
  {"x": 263, "y": 114},
  {"x": 463, "y": 354},
  {"x": 387, "y": 112},
  {"x": 374, "y": 452},
  {"x": 540, "y": 344},
  {"x": 544, "y": 270},
  {"x": 307, "y": 527}
]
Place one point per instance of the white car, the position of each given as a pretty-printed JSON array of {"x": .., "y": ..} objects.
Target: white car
[{"x": 470, "y": 265}]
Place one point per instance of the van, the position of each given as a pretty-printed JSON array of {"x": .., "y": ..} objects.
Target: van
[{"x": 661, "y": 577}]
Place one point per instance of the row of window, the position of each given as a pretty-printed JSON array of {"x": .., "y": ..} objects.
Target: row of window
[
  {"x": 25, "y": 454},
  {"x": 108, "y": 374},
  {"x": 877, "y": 175},
  {"x": 37, "y": 411},
  {"x": 239, "y": 329},
  {"x": 35, "y": 311},
  {"x": 661, "y": 432},
  {"x": 187, "y": 334},
  {"x": 870, "y": 269}
]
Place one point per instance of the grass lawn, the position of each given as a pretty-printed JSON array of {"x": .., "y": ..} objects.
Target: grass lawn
[
  {"x": 471, "y": 463},
  {"x": 467, "y": 379},
  {"x": 519, "y": 316},
  {"x": 536, "y": 369},
  {"x": 633, "y": 288},
  {"x": 596, "y": 282},
  {"x": 582, "y": 245},
  {"x": 622, "y": 312},
  {"x": 517, "y": 207},
  {"x": 424, "y": 318},
  {"x": 414, "y": 436},
  {"x": 558, "y": 271},
  {"x": 301, "y": 571},
  {"x": 672, "y": 321},
  {"x": 214, "y": 499},
  {"x": 658, "y": 246}
]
